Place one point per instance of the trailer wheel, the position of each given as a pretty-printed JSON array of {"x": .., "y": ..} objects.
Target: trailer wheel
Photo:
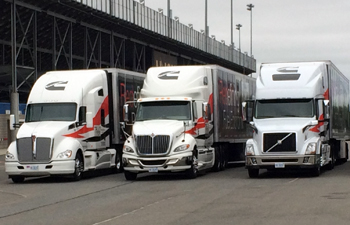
[
  {"x": 79, "y": 167},
  {"x": 129, "y": 175},
  {"x": 17, "y": 179},
  {"x": 217, "y": 160},
  {"x": 253, "y": 173}
]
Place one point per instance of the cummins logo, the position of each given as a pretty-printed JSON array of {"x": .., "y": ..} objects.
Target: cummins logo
[
  {"x": 288, "y": 69},
  {"x": 56, "y": 86},
  {"x": 169, "y": 75}
]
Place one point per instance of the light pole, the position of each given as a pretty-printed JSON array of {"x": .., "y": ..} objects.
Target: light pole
[
  {"x": 169, "y": 19},
  {"x": 238, "y": 27},
  {"x": 206, "y": 32},
  {"x": 250, "y": 8},
  {"x": 232, "y": 29},
  {"x": 232, "y": 22}
]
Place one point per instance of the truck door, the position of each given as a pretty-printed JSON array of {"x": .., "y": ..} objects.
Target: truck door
[{"x": 98, "y": 105}]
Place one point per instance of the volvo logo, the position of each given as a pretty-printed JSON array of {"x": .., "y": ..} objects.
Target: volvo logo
[
  {"x": 169, "y": 75},
  {"x": 56, "y": 86}
]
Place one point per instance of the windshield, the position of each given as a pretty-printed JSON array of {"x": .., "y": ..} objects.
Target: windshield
[
  {"x": 169, "y": 110},
  {"x": 284, "y": 108},
  {"x": 51, "y": 112}
]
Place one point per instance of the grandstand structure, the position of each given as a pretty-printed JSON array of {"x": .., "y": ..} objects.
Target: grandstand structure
[{"x": 43, "y": 35}]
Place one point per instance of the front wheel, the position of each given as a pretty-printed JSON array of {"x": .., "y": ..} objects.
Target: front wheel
[
  {"x": 193, "y": 171},
  {"x": 129, "y": 175},
  {"x": 79, "y": 167},
  {"x": 253, "y": 173},
  {"x": 118, "y": 163},
  {"x": 17, "y": 179},
  {"x": 217, "y": 160},
  {"x": 223, "y": 158},
  {"x": 331, "y": 163},
  {"x": 315, "y": 172}
]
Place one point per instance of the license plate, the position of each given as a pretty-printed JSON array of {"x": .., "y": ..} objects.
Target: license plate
[
  {"x": 153, "y": 170},
  {"x": 33, "y": 167},
  {"x": 279, "y": 165}
]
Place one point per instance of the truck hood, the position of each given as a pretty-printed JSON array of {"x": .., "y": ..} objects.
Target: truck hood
[
  {"x": 43, "y": 129},
  {"x": 282, "y": 124},
  {"x": 167, "y": 127}
]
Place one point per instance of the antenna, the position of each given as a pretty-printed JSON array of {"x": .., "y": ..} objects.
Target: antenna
[{"x": 184, "y": 131}]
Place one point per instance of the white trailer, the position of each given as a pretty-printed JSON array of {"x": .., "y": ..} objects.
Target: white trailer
[
  {"x": 188, "y": 119},
  {"x": 72, "y": 123},
  {"x": 300, "y": 117}
]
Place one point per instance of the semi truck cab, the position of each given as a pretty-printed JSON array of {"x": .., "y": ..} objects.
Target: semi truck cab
[{"x": 164, "y": 138}]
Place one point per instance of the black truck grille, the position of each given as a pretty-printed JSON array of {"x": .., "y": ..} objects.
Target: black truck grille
[
  {"x": 147, "y": 145},
  {"x": 279, "y": 142},
  {"x": 34, "y": 150}
]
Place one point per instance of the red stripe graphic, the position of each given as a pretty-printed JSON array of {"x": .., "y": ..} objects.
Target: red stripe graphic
[
  {"x": 201, "y": 123},
  {"x": 96, "y": 121},
  {"x": 317, "y": 128}
]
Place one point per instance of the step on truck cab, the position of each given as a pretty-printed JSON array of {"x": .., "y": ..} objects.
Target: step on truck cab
[
  {"x": 300, "y": 117},
  {"x": 188, "y": 119},
  {"x": 72, "y": 123}
]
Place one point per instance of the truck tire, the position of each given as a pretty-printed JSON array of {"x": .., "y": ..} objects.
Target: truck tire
[
  {"x": 193, "y": 171},
  {"x": 223, "y": 158},
  {"x": 129, "y": 175},
  {"x": 331, "y": 164},
  {"x": 78, "y": 168},
  {"x": 315, "y": 172},
  {"x": 17, "y": 179},
  {"x": 253, "y": 173},
  {"x": 118, "y": 163},
  {"x": 217, "y": 160}
]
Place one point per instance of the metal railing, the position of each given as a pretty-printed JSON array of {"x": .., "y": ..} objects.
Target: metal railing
[{"x": 147, "y": 18}]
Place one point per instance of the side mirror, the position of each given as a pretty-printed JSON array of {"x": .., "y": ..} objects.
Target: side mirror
[
  {"x": 244, "y": 111},
  {"x": 126, "y": 113},
  {"x": 206, "y": 112},
  {"x": 204, "y": 107},
  {"x": 247, "y": 111},
  {"x": 194, "y": 108},
  {"x": 82, "y": 116},
  {"x": 326, "y": 109},
  {"x": 12, "y": 122},
  {"x": 89, "y": 120}
]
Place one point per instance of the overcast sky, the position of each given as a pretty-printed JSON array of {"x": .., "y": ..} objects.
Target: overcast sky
[{"x": 283, "y": 30}]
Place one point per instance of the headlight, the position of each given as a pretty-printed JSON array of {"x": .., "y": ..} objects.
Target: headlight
[
  {"x": 311, "y": 149},
  {"x": 128, "y": 149},
  {"x": 249, "y": 150},
  {"x": 9, "y": 156},
  {"x": 182, "y": 148},
  {"x": 65, "y": 155}
]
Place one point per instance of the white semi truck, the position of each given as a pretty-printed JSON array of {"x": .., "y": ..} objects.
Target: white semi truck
[
  {"x": 72, "y": 123},
  {"x": 300, "y": 117},
  {"x": 188, "y": 119}
]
